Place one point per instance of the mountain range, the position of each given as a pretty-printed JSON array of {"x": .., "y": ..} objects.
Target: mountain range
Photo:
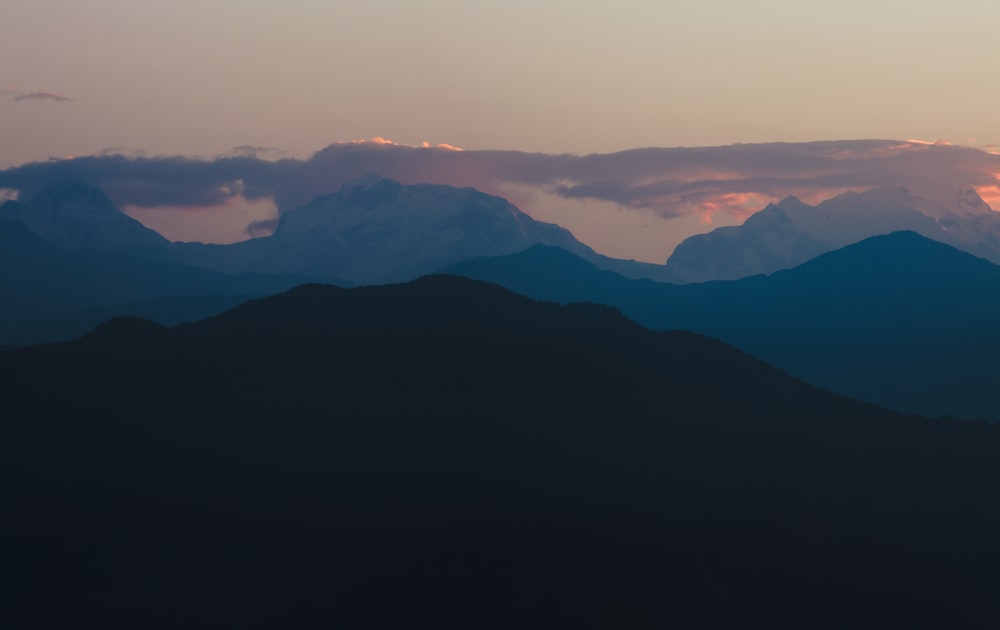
[
  {"x": 373, "y": 230},
  {"x": 52, "y": 294},
  {"x": 899, "y": 320},
  {"x": 71, "y": 259},
  {"x": 448, "y": 453},
  {"x": 790, "y": 232}
]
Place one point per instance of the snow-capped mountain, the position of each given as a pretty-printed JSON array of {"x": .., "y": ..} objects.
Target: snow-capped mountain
[
  {"x": 790, "y": 232},
  {"x": 376, "y": 230},
  {"x": 373, "y": 230},
  {"x": 75, "y": 217}
]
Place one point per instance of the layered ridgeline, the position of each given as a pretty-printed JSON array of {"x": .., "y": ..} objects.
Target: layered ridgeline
[
  {"x": 790, "y": 232},
  {"x": 373, "y": 230},
  {"x": 89, "y": 261},
  {"x": 899, "y": 320},
  {"x": 449, "y": 454},
  {"x": 52, "y": 293}
]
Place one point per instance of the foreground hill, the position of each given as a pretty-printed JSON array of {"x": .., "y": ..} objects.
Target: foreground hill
[
  {"x": 899, "y": 320},
  {"x": 449, "y": 454}
]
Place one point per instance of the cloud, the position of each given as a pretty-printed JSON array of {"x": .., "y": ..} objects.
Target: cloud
[
  {"x": 446, "y": 147},
  {"x": 380, "y": 141},
  {"x": 679, "y": 182},
  {"x": 234, "y": 219},
  {"x": 43, "y": 95},
  {"x": 155, "y": 181},
  {"x": 701, "y": 183}
]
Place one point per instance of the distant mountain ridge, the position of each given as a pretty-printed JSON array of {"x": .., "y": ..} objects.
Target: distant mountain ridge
[
  {"x": 899, "y": 320},
  {"x": 74, "y": 216},
  {"x": 73, "y": 259},
  {"x": 51, "y": 294},
  {"x": 373, "y": 230},
  {"x": 790, "y": 232},
  {"x": 377, "y": 230}
]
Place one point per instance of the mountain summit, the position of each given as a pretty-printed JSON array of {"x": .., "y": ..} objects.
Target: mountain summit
[
  {"x": 376, "y": 230},
  {"x": 75, "y": 216},
  {"x": 373, "y": 230},
  {"x": 790, "y": 232}
]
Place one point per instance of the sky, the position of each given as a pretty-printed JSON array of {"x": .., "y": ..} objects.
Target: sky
[{"x": 287, "y": 79}]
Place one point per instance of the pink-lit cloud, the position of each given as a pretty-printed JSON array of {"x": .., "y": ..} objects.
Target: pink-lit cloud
[
  {"x": 445, "y": 146},
  {"x": 991, "y": 193},
  {"x": 380, "y": 141}
]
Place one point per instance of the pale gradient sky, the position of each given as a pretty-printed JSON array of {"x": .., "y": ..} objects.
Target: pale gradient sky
[
  {"x": 202, "y": 76},
  {"x": 198, "y": 78}
]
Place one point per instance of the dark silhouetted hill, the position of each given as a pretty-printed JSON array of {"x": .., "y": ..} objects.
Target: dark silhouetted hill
[
  {"x": 449, "y": 454},
  {"x": 898, "y": 320}
]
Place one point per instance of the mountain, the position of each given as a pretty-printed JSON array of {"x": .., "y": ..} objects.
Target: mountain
[
  {"x": 50, "y": 294},
  {"x": 790, "y": 232},
  {"x": 376, "y": 230},
  {"x": 373, "y": 230},
  {"x": 450, "y": 454},
  {"x": 899, "y": 320},
  {"x": 74, "y": 216}
]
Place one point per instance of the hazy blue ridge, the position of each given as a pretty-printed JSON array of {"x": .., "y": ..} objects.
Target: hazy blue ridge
[{"x": 898, "y": 319}]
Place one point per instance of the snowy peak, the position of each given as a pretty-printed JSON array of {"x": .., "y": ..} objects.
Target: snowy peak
[
  {"x": 970, "y": 200},
  {"x": 790, "y": 203},
  {"x": 385, "y": 206},
  {"x": 790, "y": 232},
  {"x": 376, "y": 230},
  {"x": 951, "y": 202},
  {"x": 936, "y": 202},
  {"x": 372, "y": 230},
  {"x": 75, "y": 216}
]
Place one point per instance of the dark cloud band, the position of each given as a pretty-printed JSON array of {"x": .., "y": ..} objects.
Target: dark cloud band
[{"x": 668, "y": 181}]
